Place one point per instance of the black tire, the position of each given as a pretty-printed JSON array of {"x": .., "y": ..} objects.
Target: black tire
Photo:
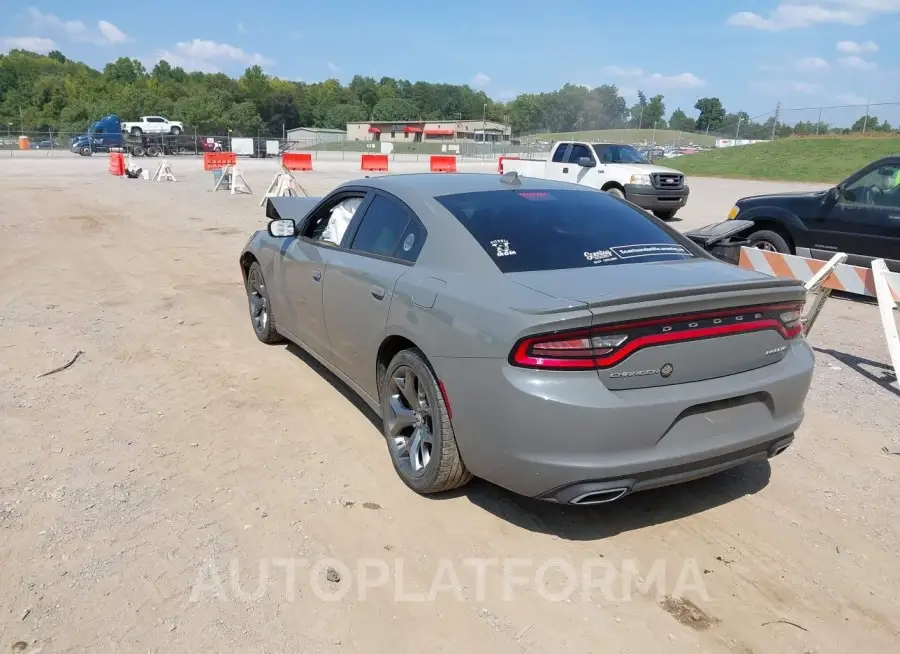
[
  {"x": 138, "y": 151},
  {"x": 445, "y": 469},
  {"x": 666, "y": 214},
  {"x": 153, "y": 151},
  {"x": 258, "y": 303},
  {"x": 175, "y": 131},
  {"x": 86, "y": 151},
  {"x": 136, "y": 131},
  {"x": 766, "y": 239},
  {"x": 616, "y": 191}
]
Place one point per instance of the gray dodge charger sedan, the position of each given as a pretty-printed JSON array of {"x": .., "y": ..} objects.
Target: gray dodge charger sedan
[{"x": 552, "y": 339}]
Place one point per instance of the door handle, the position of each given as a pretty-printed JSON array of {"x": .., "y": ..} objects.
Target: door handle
[
  {"x": 317, "y": 275},
  {"x": 565, "y": 170},
  {"x": 377, "y": 292}
]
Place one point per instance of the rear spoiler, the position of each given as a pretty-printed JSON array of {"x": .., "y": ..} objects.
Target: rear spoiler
[{"x": 720, "y": 239}]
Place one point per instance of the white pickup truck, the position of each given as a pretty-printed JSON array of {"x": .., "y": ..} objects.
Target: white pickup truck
[
  {"x": 152, "y": 125},
  {"x": 617, "y": 169}
]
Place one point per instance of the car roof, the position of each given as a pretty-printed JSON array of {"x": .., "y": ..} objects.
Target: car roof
[{"x": 434, "y": 185}]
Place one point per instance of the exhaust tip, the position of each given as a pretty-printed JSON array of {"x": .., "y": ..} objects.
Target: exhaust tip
[
  {"x": 781, "y": 446},
  {"x": 599, "y": 496}
]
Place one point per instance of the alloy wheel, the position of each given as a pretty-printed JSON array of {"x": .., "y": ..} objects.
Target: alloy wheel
[
  {"x": 765, "y": 245},
  {"x": 259, "y": 303},
  {"x": 410, "y": 421}
]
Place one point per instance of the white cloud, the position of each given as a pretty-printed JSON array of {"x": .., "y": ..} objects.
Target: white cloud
[
  {"x": 639, "y": 78},
  {"x": 812, "y": 64},
  {"x": 794, "y": 14},
  {"x": 105, "y": 34},
  {"x": 852, "y": 47},
  {"x": 31, "y": 43},
  {"x": 111, "y": 33},
  {"x": 208, "y": 56},
  {"x": 851, "y": 98},
  {"x": 177, "y": 60},
  {"x": 480, "y": 80},
  {"x": 333, "y": 67},
  {"x": 855, "y": 62}
]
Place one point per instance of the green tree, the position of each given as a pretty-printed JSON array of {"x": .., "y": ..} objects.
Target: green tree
[
  {"x": 712, "y": 114},
  {"x": 341, "y": 114},
  {"x": 638, "y": 110},
  {"x": 655, "y": 113},
  {"x": 681, "y": 121},
  {"x": 395, "y": 109}
]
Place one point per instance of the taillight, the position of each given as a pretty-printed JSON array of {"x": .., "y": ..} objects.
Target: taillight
[
  {"x": 792, "y": 319},
  {"x": 605, "y": 346}
]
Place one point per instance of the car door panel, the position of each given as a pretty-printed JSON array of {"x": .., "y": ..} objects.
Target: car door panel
[
  {"x": 554, "y": 167},
  {"x": 357, "y": 298},
  {"x": 863, "y": 222},
  {"x": 359, "y": 282},
  {"x": 299, "y": 271}
]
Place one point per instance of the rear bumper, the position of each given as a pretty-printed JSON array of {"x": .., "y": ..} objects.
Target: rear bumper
[
  {"x": 653, "y": 199},
  {"x": 553, "y": 434}
]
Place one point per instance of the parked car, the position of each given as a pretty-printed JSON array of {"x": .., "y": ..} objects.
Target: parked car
[
  {"x": 859, "y": 216},
  {"x": 550, "y": 338},
  {"x": 617, "y": 169},
  {"x": 153, "y": 125}
]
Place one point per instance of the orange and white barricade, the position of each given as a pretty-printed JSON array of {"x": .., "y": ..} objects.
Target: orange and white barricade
[{"x": 822, "y": 277}]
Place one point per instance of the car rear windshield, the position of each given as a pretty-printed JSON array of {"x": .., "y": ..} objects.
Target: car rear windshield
[{"x": 526, "y": 230}]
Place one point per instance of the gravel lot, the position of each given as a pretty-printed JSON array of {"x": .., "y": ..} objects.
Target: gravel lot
[{"x": 177, "y": 452}]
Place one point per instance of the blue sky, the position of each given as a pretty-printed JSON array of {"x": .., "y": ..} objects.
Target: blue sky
[{"x": 750, "y": 53}]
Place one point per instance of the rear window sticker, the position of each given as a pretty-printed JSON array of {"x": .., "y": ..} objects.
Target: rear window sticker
[
  {"x": 502, "y": 247},
  {"x": 649, "y": 250},
  {"x": 408, "y": 242},
  {"x": 600, "y": 256}
]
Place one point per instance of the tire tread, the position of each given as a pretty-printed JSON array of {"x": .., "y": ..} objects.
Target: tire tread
[{"x": 452, "y": 472}]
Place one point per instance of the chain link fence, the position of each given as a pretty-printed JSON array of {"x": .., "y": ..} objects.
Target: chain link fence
[
  {"x": 779, "y": 122},
  {"x": 32, "y": 143}
]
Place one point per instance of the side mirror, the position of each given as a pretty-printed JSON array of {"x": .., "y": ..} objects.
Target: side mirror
[
  {"x": 586, "y": 162},
  {"x": 833, "y": 195},
  {"x": 282, "y": 228}
]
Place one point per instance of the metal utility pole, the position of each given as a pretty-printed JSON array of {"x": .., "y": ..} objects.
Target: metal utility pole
[
  {"x": 775, "y": 123},
  {"x": 484, "y": 124},
  {"x": 737, "y": 132},
  {"x": 653, "y": 139},
  {"x": 819, "y": 121},
  {"x": 641, "y": 119},
  {"x": 866, "y": 119}
]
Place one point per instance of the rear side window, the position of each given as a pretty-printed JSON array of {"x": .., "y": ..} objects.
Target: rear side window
[
  {"x": 381, "y": 227},
  {"x": 552, "y": 230}
]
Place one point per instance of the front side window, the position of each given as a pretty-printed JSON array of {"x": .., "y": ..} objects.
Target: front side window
[
  {"x": 579, "y": 151},
  {"x": 528, "y": 230},
  {"x": 624, "y": 154},
  {"x": 878, "y": 188}
]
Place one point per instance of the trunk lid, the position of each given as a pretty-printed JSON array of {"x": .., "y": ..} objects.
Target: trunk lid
[{"x": 682, "y": 321}]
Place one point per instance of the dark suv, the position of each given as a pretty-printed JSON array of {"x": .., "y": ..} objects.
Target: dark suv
[{"x": 860, "y": 216}]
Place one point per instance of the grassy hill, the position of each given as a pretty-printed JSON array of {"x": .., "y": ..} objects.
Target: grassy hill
[
  {"x": 662, "y": 136},
  {"x": 807, "y": 159}
]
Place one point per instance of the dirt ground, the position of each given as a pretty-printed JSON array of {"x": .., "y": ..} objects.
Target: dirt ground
[{"x": 182, "y": 487}]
